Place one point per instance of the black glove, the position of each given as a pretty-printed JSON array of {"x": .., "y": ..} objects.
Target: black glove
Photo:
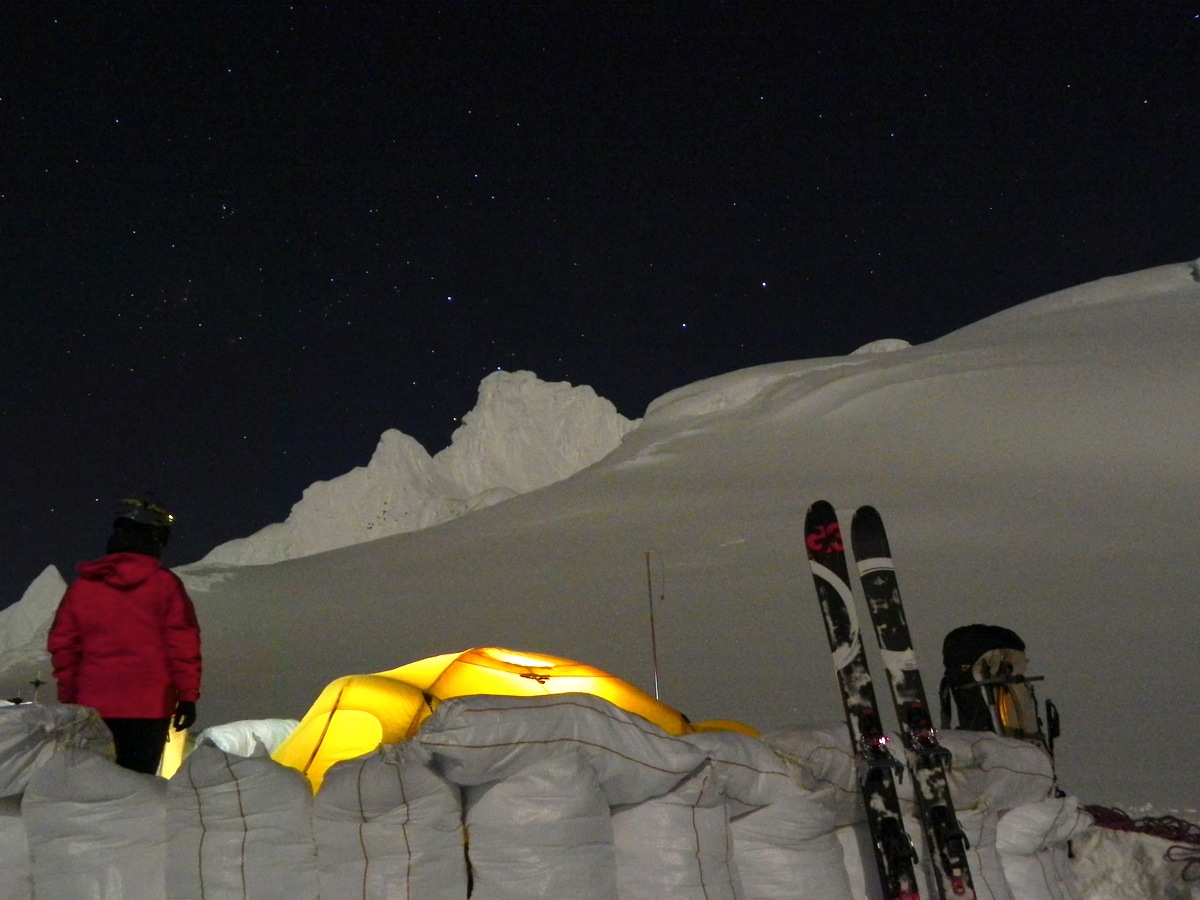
[{"x": 185, "y": 715}]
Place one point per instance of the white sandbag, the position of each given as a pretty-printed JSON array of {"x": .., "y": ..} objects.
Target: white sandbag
[
  {"x": 819, "y": 760},
  {"x": 783, "y": 835},
  {"x": 239, "y": 827},
  {"x": 677, "y": 845},
  {"x": 987, "y": 873},
  {"x": 387, "y": 826},
  {"x": 481, "y": 739},
  {"x": 95, "y": 831},
  {"x": 987, "y": 770},
  {"x": 747, "y": 772},
  {"x": 30, "y": 732},
  {"x": 856, "y": 856},
  {"x": 996, "y": 772},
  {"x": 542, "y": 832},
  {"x": 16, "y": 879},
  {"x": 777, "y": 857},
  {"x": 980, "y": 829},
  {"x": 241, "y": 736},
  {"x": 1031, "y": 841}
]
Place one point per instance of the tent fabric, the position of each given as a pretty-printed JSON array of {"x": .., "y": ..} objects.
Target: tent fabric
[
  {"x": 721, "y": 725},
  {"x": 515, "y": 673},
  {"x": 355, "y": 714}
]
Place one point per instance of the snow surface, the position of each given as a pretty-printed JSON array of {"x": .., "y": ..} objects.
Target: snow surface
[
  {"x": 1036, "y": 470},
  {"x": 23, "y": 630}
]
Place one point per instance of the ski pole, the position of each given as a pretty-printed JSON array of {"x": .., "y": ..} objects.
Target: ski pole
[{"x": 653, "y": 630}]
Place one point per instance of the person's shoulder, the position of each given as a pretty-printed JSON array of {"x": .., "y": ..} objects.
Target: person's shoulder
[
  {"x": 174, "y": 581},
  {"x": 163, "y": 575}
]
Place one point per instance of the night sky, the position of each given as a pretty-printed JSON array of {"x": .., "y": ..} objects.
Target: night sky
[{"x": 238, "y": 241}]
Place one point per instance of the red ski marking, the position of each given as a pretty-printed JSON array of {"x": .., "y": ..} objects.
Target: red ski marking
[{"x": 825, "y": 539}]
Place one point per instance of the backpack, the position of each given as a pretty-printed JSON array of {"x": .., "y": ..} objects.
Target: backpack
[{"x": 985, "y": 675}]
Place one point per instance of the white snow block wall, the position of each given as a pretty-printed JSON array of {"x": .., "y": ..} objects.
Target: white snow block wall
[
  {"x": 737, "y": 828},
  {"x": 16, "y": 880},
  {"x": 95, "y": 830},
  {"x": 386, "y": 825},
  {"x": 561, "y": 789},
  {"x": 1011, "y": 783},
  {"x": 784, "y": 841},
  {"x": 239, "y": 827},
  {"x": 989, "y": 777},
  {"x": 31, "y": 733},
  {"x": 500, "y": 798},
  {"x": 1032, "y": 841},
  {"x": 677, "y": 845},
  {"x": 540, "y": 775},
  {"x": 544, "y": 831}
]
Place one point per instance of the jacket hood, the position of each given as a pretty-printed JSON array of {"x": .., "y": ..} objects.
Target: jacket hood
[{"x": 120, "y": 570}]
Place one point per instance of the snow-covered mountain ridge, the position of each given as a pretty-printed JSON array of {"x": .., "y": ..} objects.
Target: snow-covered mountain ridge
[{"x": 523, "y": 434}]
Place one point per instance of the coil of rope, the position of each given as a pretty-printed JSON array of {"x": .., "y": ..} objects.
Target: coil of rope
[{"x": 1184, "y": 835}]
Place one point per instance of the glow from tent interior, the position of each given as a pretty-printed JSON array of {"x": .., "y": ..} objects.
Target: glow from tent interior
[{"x": 517, "y": 659}]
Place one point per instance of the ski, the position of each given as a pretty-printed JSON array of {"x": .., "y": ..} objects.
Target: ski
[
  {"x": 895, "y": 857},
  {"x": 928, "y": 762}
]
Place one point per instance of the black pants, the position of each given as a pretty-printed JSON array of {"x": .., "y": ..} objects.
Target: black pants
[{"x": 139, "y": 742}]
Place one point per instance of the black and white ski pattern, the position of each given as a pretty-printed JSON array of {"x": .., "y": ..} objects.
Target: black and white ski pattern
[
  {"x": 946, "y": 844},
  {"x": 894, "y": 854}
]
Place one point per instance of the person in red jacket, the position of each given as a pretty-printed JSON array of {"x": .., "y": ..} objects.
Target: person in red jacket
[{"x": 125, "y": 639}]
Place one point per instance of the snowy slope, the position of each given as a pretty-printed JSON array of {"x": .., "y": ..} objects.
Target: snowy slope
[
  {"x": 1035, "y": 470},
  {"x": 23, "y": 629}
]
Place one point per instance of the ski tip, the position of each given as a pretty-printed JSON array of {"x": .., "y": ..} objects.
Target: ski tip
[
  {"x": 867, "y": 534},
  {"x": 821, "y": 511},
  {"x": 866, "y": 520}
]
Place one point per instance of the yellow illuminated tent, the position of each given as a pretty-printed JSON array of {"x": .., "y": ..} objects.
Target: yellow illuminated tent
[
  {"x": 493, "y": 670},
  {"x": 357, "y": 713},
  {"x": 352, "y": 716}
]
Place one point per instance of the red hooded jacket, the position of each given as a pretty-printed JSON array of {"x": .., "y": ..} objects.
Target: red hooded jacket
[{"x": 125, "y": 640}]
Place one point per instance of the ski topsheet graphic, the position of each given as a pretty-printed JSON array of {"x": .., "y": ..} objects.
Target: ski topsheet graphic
[
  {"x": 895, "y": 858},
  {"x": 946, "y": 845}
]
